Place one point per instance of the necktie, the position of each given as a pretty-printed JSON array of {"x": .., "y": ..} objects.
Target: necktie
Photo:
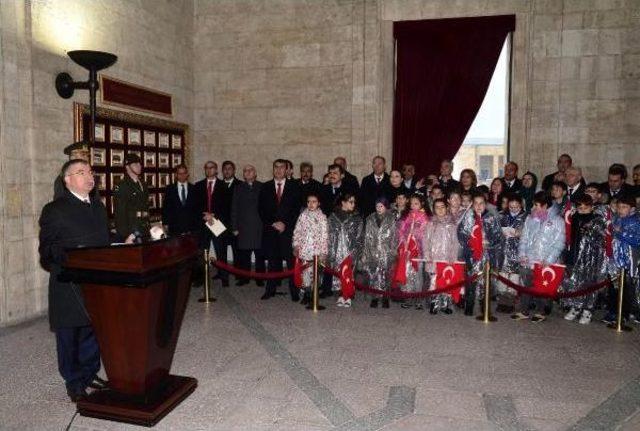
[
  {"x": 209, "y": 195},
  {"x": 183, "y": 198},
  {"x": 279, "y": 193},
  {"x": 377, "y": 180},
  {"x": 570, "y": 192}
]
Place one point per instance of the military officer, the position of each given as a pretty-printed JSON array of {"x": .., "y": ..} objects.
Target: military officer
[
  {"x": 76, "y": 151},
  {"x": 131, "y": 200}
]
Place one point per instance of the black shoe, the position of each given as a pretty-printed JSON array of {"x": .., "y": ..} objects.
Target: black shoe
[
  {"x": 385, "y": 303},
  {"x": 295, "y": 297},
  {"x": 432, "y": 308},
  {"x": 306, "y": 299},
  {"x": 447, "y": 310},
  {"x": 77, "y": 394},
  {"x": 259, "y": 282},
  {"x": 374, "y": 303},
  {"x": 98, "y": 384}
]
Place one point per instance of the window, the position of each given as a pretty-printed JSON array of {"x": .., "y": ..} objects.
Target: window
[{"x": 487, "y": 139}]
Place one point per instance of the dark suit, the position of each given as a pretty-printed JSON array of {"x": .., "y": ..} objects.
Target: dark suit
[
  {"x": 277, "y": 245},
  {"x": 329, "y": 195},
  {"x": 66, "y": 223},
  {"x": 213, "y": 204},
  {"x": 448, "y": 185},
  {"x": 625, "y": 190},
  {"x": 245, "y": 219},
  {"x": 226, "y": 239},
  {"x": 547, "y": 182},
  {"x": 312, "y": 186},
  {"x": 370, "y": 191},
  {"x": 180, "y": 217},
  {"x": 516, "y": 187},
  {"x": 351, "y": 181},
  {"x": 411, "y": 186},
  {"x": 576, "y": 193}
]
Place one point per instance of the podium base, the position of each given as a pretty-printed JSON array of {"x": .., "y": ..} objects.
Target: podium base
[{"x": 108, "y": 404}]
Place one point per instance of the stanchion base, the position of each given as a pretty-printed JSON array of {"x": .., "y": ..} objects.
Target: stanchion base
[
  {"x": 491, "y": 318},
  {"x": 319, "y": 307},
  {"x": 205, "y": 300},
  {"x": 624, "y": 328}
]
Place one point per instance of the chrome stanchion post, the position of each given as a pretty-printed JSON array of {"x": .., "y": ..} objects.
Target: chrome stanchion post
[
  {"x": 207, "y": 299},
  {"x": 486, "y": 316},
  {"x": 619, "y": 326},
  {"x": 314, "y": 295}
]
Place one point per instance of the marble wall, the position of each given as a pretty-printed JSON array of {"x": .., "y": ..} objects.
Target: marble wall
[
  {"x": 307, "y": 80},
  {"x": 153, "y": 40}
]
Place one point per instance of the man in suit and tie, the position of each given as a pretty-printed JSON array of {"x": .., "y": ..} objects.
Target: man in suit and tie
[
  {"x": 513, "y": 184},
  {"x": 616, "y": 185},
  {"x": 226, "y": 239},
  {"x": 330, "y": 193},
  {"x": 180, "y": 209},
  {"x": 75, "y": 219},
  {"x": 279, "y": 206},
  {"x": 408, "y": 177},
  {"x": 445, "y": 179},
  {"x": 307, "y": 183},
  {"x": 210, "y": 196},
  {"x": 564, "y": 162},
  {"x": 575, "y": 183},
  {"x": 373, "y": 186}
]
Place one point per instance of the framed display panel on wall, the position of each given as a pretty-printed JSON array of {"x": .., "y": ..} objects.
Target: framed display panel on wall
[{"x": 160, "y": 144}]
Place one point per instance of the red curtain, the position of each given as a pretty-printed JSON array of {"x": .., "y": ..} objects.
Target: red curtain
[{"x": 444, "y": 68}]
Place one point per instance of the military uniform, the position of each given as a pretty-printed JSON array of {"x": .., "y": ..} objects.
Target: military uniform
[{"x": 131, "y": 204}]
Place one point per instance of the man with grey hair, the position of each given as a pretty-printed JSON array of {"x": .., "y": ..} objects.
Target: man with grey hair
[
  {"x": 246, "y": 225},
  {"x": 573, "y": 179},
  {"x": 75, "y": 219}
]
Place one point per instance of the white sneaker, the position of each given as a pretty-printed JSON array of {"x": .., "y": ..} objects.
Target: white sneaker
[
  {"x": 347, "y": 303},
  {"x": 585, "y": 319},
  {"x": 340, "y": 302},
  {"x": 572, "y": 314}
]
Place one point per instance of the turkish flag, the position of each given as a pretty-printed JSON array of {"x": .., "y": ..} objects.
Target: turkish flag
[
  {"x": 346, "y": 278},
  {"x": 475, "y": 240},
  {"x": 608, "y": 238},
  {"x": 448, "y": 273},
  {"x": 547, "y": 279},
  {"x": 413, "y": 252},
  {"x": 567, "y": 222},
  {"x": 297, "y": 273},
  {"x": 408, "y": 250}
]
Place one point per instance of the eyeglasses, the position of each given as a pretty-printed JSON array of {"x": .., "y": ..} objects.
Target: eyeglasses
[{"x": 82, "y": 173}]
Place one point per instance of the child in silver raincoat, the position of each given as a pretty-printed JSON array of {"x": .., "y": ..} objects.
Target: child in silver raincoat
[
  {"x": 440, "y": 243},
  {"x": 542, "y": 240},
  {"x": 512, "y": 223},
  {"x": 379, "y": 251},
  {"x": 346, "y": 236},
  {"x": 493, "y": 242},
  {"x": 310, "y": 239},
  {"x": 586, "y": 260}
]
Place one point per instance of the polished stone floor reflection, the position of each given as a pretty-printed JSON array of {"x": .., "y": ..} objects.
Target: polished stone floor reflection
[{"x": 272, "y": 365}]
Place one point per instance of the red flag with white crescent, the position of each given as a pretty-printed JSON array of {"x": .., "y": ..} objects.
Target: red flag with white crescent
[
  {"x": 346, "y": 278},
  {"x": 475, "y": 240},
  {"x": 608, "y": 238},
  {"x": 449, "y": 273},
  {"x": 400, "y": 271},
  {"x": 567, "y": 222},
  {"x": 297, "y": 273},
  {"x": 547, "y": 279},
  {"x": 413, "y": 252}
]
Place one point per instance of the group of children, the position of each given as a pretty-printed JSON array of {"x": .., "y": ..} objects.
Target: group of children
[{"x": 398, "y": 245}]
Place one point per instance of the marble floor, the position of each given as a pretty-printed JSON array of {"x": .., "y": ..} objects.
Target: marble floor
[{"x": 272, "y": 365}]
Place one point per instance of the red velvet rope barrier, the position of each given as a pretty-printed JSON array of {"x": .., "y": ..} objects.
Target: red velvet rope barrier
[
  {"x": 395, "y": 294},
  {"x": 252, "y": 274},
  {"x": 586, "y": 290}
]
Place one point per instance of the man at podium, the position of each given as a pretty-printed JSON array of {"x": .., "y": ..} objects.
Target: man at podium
[{"x": 75, "y": 219}]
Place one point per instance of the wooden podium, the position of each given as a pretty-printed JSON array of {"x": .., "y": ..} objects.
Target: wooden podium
[{"x": 136, "y": 296}]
